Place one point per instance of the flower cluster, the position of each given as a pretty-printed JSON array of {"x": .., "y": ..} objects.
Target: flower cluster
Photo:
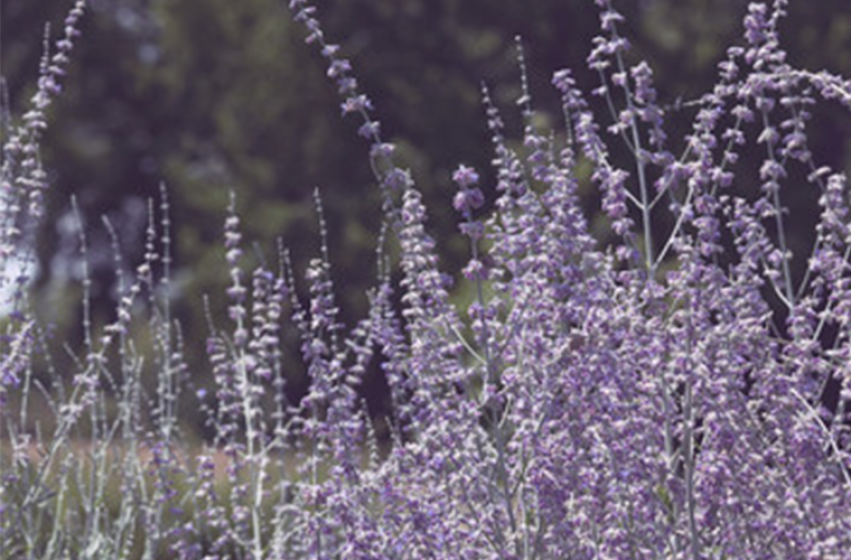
[{"x": 676, "y": 393}]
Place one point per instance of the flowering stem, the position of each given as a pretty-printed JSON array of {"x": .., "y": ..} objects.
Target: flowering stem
[
  {"x": 778, "y": 217},
  {"x": 638, "y": 150}
]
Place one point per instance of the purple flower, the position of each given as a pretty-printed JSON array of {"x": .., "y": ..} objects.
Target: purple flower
[
  {"x": 467, "y": 200},
  {"x": 356, "y": 104},
  {"x": 465, "y": 176}
]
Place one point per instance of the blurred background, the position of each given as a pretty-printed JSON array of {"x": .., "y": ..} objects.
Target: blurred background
[{"x": 213, "y": 96}]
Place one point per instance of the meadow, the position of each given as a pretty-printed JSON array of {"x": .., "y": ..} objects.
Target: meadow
[{"x": 674, "y": 391}]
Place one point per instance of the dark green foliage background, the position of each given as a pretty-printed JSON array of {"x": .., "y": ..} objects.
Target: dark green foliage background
[{"x": 210, "y": 96}]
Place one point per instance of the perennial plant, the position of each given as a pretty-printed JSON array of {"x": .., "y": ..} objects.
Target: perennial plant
[{"x": 679, "y": 393}]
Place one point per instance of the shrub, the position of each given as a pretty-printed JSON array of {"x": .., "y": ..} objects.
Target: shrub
[{"x": 667, "y": 395}]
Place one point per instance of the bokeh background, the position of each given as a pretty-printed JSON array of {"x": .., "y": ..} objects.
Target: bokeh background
[{"x": 213, "y": 96}]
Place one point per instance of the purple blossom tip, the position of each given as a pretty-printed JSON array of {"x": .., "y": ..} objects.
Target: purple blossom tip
[{"x": 465, "y": 176}]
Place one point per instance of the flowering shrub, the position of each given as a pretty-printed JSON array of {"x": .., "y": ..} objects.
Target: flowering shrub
[{"x": 637, "y": 400}]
